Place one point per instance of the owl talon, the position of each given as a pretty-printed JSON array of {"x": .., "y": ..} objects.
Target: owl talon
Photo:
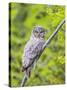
[{"x": 23, "y": 69}]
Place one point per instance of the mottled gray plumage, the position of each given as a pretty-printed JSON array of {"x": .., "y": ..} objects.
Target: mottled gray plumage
[{"x": 33, "y": 49}]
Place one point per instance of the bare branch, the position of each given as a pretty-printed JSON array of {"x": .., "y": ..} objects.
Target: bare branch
[
  {"x": 24, "y": 80},
  {"x": 45, "y": 45}
]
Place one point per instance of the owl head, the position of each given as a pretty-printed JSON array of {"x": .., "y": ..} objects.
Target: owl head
[{"x": 38, "y": 32}]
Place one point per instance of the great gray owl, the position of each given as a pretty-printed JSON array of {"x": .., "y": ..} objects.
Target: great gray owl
[{"x": 32, "y": 50}]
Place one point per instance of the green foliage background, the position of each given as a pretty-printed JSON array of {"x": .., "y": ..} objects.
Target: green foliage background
[{"x": 51, "y": 65}]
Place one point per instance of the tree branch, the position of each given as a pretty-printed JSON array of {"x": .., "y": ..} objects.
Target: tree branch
[
  {"x": 44, "y": 46},
  {"x": 24, "y": 80}
]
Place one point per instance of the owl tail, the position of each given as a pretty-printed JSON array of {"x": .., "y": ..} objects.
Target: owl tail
[{"x": 25, "y": 68}]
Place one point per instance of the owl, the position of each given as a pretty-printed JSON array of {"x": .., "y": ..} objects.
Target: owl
[{"x": 33, "y": 49}]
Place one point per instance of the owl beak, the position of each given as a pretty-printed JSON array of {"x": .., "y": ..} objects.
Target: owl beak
[{"x": 39, "y": 35}]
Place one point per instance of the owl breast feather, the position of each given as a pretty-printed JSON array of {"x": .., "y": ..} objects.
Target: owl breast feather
[{"x": 32, "y": 50}]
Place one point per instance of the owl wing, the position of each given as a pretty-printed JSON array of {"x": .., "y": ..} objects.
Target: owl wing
[{"x": 31, "y": 52}]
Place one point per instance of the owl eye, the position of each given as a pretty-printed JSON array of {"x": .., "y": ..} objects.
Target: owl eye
[
  {"x": 42, "y": 32},
  {"x": 36, "y": 31}
]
